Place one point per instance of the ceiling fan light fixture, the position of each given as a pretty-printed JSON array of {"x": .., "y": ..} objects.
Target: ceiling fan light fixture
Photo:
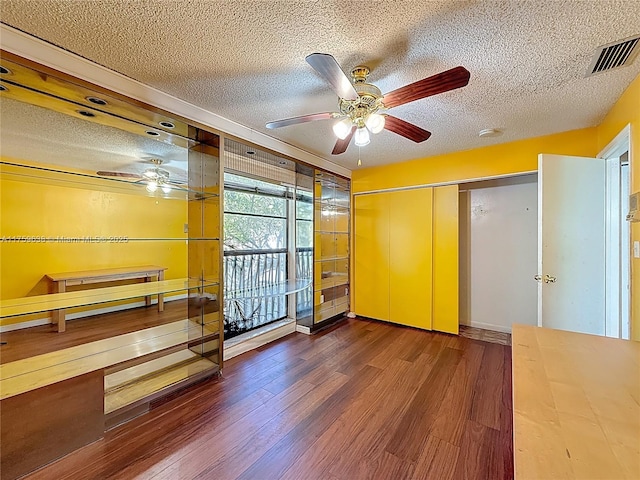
[
  {"x": 361, "y": 137},
  {"x": 375, "y": 122},
  {"x": 342, "y": 128},
  {"x": 152, "y": 187},
  {"x": 166, "y": 188}
]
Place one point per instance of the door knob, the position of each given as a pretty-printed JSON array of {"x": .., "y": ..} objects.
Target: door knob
[
  {"x": 549, "y": 279},
  {"x": 537, "y": 278}
]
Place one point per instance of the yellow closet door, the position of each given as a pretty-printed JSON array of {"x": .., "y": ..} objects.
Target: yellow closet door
[
  {"x": 371, "y": 254},
  {"x": 445, "y": 259},
  {"x": 410, "y": 257}
]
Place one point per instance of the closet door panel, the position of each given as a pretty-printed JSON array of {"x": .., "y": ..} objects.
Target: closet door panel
[
  {"x": 410, "y": 257},
  {"x": 371, "y": 288},
  {"x": 445, "y": 259}
]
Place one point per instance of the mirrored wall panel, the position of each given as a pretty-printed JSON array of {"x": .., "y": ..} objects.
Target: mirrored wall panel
[
  {"x": 110, "y": 254},
  {"x": 331, "y": 258}
]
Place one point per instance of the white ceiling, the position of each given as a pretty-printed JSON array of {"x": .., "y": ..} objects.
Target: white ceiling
[{"x": 244, "y": 60}]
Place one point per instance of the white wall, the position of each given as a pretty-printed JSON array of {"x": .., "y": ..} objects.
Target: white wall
[{"x": 498, "y": 253}]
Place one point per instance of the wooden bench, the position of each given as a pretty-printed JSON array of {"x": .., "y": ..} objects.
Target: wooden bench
[{"x": 61, "y": 281}]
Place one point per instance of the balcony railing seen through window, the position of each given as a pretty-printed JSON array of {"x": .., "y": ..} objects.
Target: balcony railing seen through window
[
  {"x": 258, "y": 224},
  {"x": 252, "y": 281}
]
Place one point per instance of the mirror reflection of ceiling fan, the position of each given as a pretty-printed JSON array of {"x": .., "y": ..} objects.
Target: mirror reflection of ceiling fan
[
  {"x": 362, "y": 107},
  {"x": 154, "y": 177}
]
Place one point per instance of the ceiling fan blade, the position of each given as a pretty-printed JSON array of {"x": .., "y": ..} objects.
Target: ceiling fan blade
[
  {"x": 329, "y": 69},
  {"x": 119, "y": 174},
  {"x": 301, "y": 119},
  {"x": 406, "y": 129},
  {"x": 442, "y": 82},
  {"x": 341, "y": 145}
]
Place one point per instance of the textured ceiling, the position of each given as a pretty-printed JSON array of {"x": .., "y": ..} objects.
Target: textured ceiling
[{"x": 245, "y": 60}]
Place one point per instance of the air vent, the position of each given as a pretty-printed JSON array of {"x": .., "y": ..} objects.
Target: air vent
[{"x": 614, "y": 55}]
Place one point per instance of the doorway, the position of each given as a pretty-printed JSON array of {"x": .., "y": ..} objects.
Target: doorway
[
  {"x": 498, "y": 247},
  {"x": 584, "y": 251},
  {"x": 618, "y": 237}
]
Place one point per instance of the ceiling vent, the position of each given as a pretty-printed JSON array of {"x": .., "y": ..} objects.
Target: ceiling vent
[{"x": 614, "y": 55}]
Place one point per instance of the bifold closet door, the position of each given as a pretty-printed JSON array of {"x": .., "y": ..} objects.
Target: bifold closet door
[
  {"x": 371, "y": 255},
  {"x": 445, "y": 259},
  {"x": 410, "y": 257},
  {"x": 406, "y": 257}
]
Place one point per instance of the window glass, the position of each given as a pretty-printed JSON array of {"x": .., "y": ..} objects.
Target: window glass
[
  {"x": 245, "y": 232},
  {"x": 243, "y": 202},
  {"x": 254, "y": 220}
]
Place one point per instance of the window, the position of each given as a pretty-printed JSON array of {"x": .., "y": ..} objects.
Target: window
[
  {"x": 255, "y": 252},
  {"x": 304, "y": 253}
]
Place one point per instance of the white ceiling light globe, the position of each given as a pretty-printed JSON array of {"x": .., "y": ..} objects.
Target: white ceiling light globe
[
  {"x": 342, "y": 128},
  {"x": 375, "y": 122},
  {"x": 362, "y": 137}
]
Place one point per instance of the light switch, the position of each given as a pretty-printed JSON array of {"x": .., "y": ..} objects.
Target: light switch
[
  {"x": 321, "y": 298},
  {"x": 636, "y": 249}
]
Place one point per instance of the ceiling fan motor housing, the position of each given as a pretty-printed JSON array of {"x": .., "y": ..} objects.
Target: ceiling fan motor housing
[{"x": 369, "y": 98}]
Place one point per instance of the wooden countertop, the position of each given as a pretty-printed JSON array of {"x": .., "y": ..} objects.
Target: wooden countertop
[{"x": 576, "y": 401}]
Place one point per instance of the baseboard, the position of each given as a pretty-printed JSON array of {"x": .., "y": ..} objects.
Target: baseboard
[
  {"x": 489, "y": 326},
  {"x": 86, "y": 313},
  {"x": 328, "y": 322},
  {"x": 258, "y": 337},
  {"x": 303, "y": 329},
  {"x": 31, "y": 323}
]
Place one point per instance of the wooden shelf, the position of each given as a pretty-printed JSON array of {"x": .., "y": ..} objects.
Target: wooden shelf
[
  {"x": 35, "y": 372},
  {"x": 143, "y": 382},
  {"x": 55, "y": 301}
]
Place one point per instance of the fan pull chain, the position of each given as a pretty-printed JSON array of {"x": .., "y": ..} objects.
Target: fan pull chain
[{"x": 359, "y": 161}]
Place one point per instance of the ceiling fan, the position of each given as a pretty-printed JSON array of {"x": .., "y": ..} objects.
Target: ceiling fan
[
  {"x": 154, "y": 177},
  {"x": 362, "y": 106}
]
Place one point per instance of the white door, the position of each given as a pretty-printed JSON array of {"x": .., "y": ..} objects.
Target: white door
[{"x": 571, "y": 243}]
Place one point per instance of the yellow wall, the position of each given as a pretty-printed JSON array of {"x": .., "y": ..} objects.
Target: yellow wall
[
  {"x": 627, "y": 111},
  {"x": 507, "y": 158},
  {"x": 522, "y": 156},
  {"x": 35, "y": 209}
]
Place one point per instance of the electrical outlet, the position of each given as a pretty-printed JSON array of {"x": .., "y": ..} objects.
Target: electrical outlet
[
  {"x": 636, "y": 249},
  {"x": 186, "y": 228}
]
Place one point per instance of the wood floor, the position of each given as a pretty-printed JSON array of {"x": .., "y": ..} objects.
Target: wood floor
[{"x": 362, "y": 400}]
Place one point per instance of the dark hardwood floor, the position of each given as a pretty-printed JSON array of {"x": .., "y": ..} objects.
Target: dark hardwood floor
[{"x": 361, "y": 400}]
